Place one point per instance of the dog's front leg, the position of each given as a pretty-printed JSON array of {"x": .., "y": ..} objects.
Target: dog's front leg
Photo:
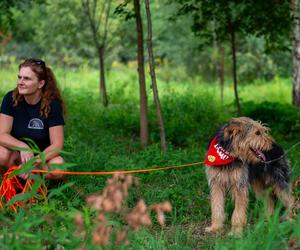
[
  {"x": 217, "y": 197},
  {"x": 239, "y": 216}
]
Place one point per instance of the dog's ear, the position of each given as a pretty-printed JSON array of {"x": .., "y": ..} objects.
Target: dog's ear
[
  {"x": 231, "y": 130},
  {"x": 224, "y": 136}
]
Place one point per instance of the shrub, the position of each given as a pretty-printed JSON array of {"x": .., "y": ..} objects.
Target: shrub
[
  {"x": 188, "y": 118},
  {"x": 283, "y": 119}
]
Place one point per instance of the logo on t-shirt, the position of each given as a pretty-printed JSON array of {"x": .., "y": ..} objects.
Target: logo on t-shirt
[{"x": 36, "y": 123}]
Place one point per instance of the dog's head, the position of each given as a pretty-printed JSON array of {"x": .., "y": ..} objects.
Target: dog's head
[{"x": 246, "y": 139}]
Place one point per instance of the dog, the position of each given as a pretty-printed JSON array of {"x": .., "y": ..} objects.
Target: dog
[{"x": 241, "y": 153}]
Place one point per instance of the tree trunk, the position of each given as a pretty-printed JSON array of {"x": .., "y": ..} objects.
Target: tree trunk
[
  {"x": 296, "y": 51},
  {"x": 231, "y": 30},
  {"x": 103, "y": 92},
  {"x": 233, "y": 51},
  {"x": 160, "y": 119},
  {"x": 221, "y": 71},
  {"x": 99, "y": 41},
  {"x": 141, "y": 71}
]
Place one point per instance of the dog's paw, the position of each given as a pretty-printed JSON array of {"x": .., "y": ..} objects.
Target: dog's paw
[
  {"x": 236, "y": 231},
  {"x": 289, "y": 216},
  {"x": 212, "y": 229}
]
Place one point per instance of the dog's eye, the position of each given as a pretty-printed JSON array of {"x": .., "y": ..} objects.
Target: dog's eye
[{"x": 257, "y": 132}]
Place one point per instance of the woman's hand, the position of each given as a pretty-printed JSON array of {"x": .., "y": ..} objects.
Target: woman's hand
[
  {"x": 26, "y": 156},
  {"x": 24, "y": 176}
]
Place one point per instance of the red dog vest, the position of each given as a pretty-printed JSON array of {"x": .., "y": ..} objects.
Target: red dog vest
[{"x": 217, "y": 155}]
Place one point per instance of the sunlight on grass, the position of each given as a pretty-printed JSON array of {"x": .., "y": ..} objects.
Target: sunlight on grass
[
  {"x": 279, "y": 90},
  {"x": 123, "y": 81}
]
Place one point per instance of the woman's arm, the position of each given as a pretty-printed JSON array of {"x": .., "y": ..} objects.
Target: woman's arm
[
  {"x": 8, "y": 141},
  {"x": 56, "y": 135}
]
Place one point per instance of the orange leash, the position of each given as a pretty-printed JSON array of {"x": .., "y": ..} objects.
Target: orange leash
[
  {"x": 10, "y": 187},
  {"x": 114, "y": 172}
]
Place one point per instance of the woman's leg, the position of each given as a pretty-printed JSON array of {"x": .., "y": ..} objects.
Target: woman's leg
[
  {"x": 8, "y": 158},
  {"x": 55, "y": 160}
]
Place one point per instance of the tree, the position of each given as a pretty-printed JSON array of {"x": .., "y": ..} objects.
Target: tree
[
  {"x": 217, "y": 21},
  {"x": 98, "y": 13},
  {"x": 64, "y": 46},
  {"x": 40, "y": 31},
  {"x": 160, "y": 120},
  {"x": 295, "y": 9},
  {"x": 220, "y": 69},
  {"x": 232, "y": 20},
  {"x": 7, "y": 23},
  {"x": 5, "y": 16},
  {"x": 232, "y": 27},
  {"x": 144, "y": 134}
]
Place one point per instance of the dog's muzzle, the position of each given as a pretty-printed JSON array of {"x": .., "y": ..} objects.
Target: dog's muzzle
[{"x": 259, "y": 154}]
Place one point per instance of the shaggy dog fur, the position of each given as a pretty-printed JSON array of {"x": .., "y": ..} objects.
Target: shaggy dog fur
[{"x": 257, "y": 160}]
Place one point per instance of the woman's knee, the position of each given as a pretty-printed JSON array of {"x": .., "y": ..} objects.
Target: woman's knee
[{"x": 56, "y": 160}]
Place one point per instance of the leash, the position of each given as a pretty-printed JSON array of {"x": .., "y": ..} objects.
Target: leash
[
  {"x": 282, "y": 156},
  {"x": 9, "y": 186},
  {"x": 114, "y": 172}
]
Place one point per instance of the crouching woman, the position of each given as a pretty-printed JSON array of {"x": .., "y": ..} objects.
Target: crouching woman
[{"x": 34, "y": 110}]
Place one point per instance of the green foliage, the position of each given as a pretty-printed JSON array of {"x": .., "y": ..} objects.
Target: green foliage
[
  {"x": 266, "y": 234},
  {"x": 283, "y": 119},
  {"x": 254, "y": 63},
  {"x": 188, "y": 118},
  {"x": 5, "y": 15},
  {"x": 37, "y": 228},
  {"x": 58, "y": 32},
  {"x": 213, "y": 20},
  {"x": 217, "y": 22},
  {"x": 107, "y": 140}
]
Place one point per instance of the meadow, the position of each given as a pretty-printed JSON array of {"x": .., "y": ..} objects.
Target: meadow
[{"x": 107, "y": 139}]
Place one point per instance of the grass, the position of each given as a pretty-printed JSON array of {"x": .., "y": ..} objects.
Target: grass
[{"x": 107, "y": 139}]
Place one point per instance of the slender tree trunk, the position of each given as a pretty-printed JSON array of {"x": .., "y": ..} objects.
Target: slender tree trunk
[
  {"x": 144, "y": 134},
  {"x": 103, "y": 92},
  {"x": 235, "y": 83},
  {"x": 160, "y": 119},
  {"x": 221, "y": 70},
  {"x": 295, "y": 9},
  {"x": 231, "y": 30},
  {"x": 99, "y": 39}
]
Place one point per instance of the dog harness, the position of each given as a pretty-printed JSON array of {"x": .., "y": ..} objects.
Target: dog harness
[{"x": 217, "y": 155}]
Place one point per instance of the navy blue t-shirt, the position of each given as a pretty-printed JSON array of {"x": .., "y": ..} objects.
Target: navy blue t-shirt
[{"x": 28, "y": 123}]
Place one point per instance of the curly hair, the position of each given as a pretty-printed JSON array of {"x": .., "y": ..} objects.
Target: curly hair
[{"x": 50, "y": 89}]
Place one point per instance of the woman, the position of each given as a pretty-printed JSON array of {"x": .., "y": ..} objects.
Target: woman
[{"x": 34, "y": 110}]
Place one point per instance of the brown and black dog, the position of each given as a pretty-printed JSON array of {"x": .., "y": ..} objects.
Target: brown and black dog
[{"x": 242, "y": 153}]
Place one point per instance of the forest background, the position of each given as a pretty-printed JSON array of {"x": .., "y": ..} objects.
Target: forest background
[{"x": 212, "y": 60}]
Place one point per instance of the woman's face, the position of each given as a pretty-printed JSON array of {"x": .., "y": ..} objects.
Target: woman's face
[{"x": 28, "y": 82}]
